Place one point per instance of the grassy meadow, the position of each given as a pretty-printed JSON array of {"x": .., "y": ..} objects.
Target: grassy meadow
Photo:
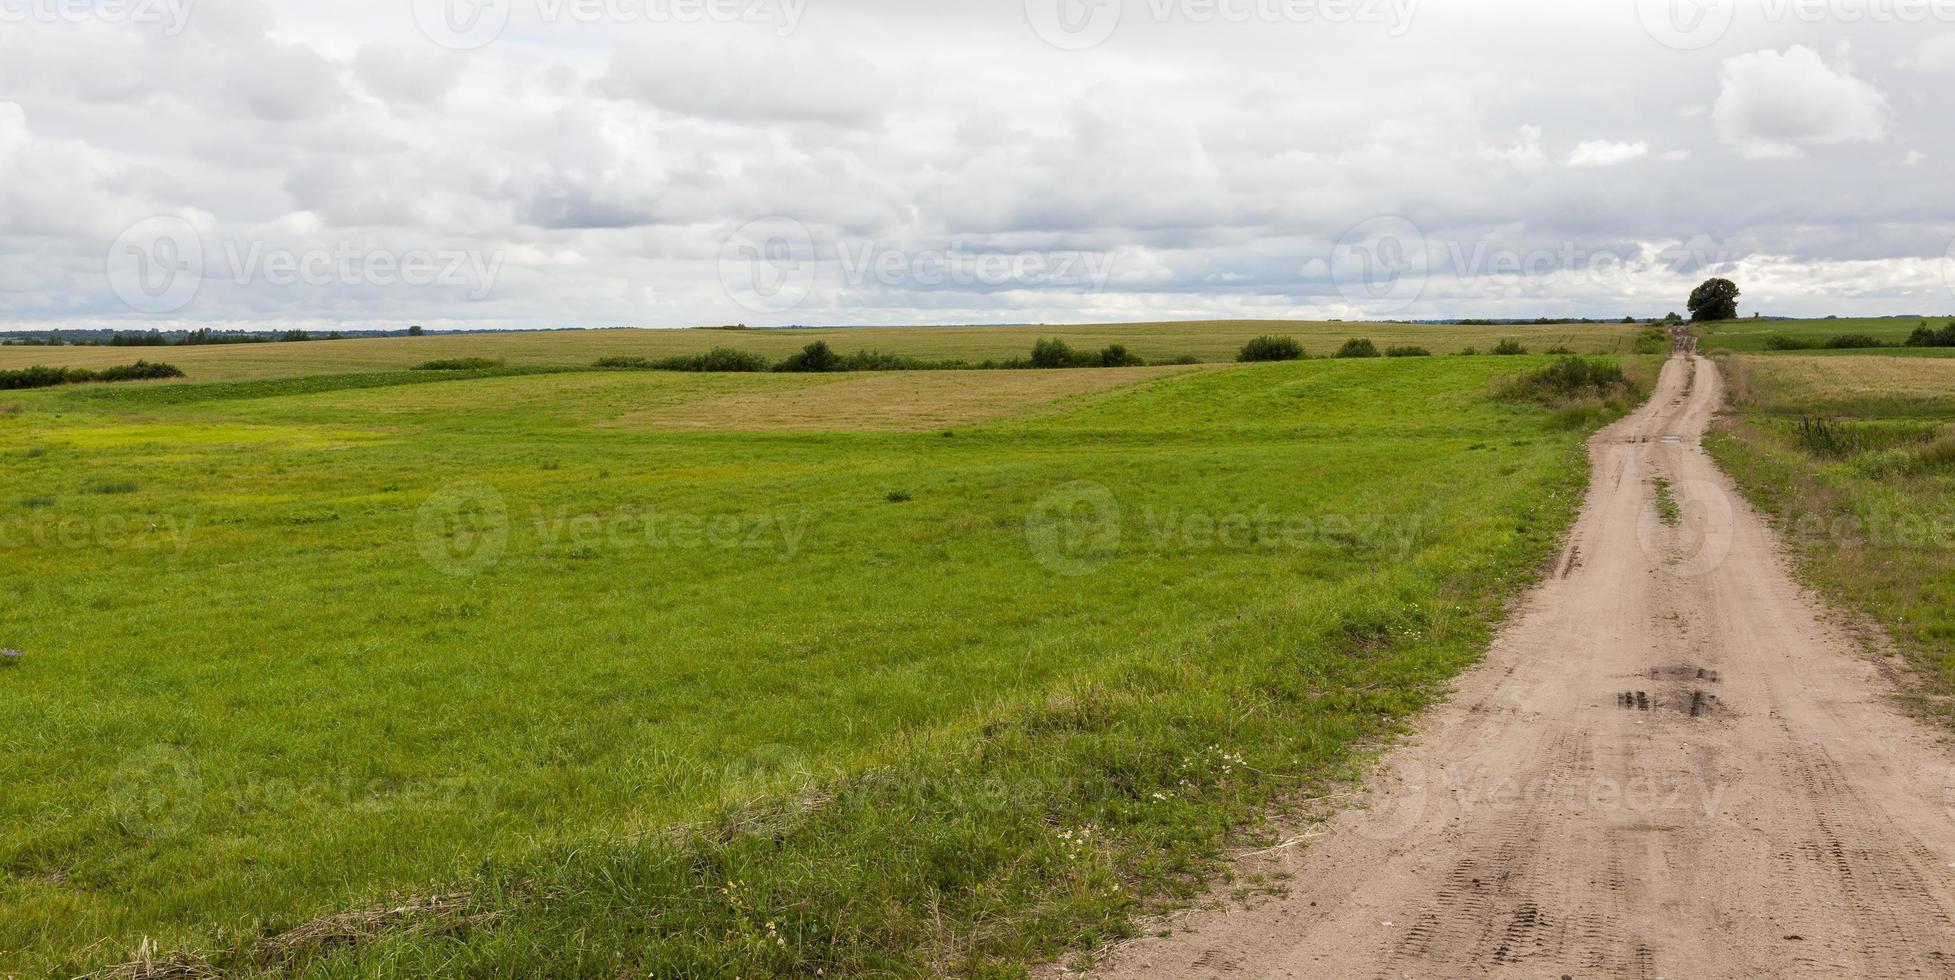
[
  {"x": 601, "y": 674},
  {"x": 1207, "y": 341},
  {"x": 1854, "y": 457}
]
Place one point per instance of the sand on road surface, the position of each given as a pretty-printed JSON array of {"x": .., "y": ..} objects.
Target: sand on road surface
[{"x": 1669, "y": 765}]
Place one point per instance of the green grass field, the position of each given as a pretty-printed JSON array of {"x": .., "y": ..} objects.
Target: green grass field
[
  {"x": 1854, "y": 457},
  {"x": 1209, "y": 341},
  {"x": 1750, "y": 336},
  {"x": 605, "y": 674}
]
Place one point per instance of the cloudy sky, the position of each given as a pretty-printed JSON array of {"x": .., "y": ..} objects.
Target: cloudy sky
[{"x": 510, "y": 163}]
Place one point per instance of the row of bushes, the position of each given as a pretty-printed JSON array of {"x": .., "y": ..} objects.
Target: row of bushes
[
  {"x": 1923, "y": 336},
  {"x": 47, "y": 377},
  {"x": 1845, "y": 341},
  {"x": 1287, "y": 349},
  {"x": 819, "y": 358},
  {"x": 1926, "y": 336},
  {"x": 461, "y": 364}
]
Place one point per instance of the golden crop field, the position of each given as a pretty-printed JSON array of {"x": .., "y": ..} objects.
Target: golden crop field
[{"x": 1855, "y": 386}]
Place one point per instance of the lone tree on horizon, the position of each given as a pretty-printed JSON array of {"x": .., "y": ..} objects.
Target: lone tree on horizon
[{"x": 1716, "y": 299}]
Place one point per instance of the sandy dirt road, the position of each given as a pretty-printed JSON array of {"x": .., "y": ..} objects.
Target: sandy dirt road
[{"x": 1670, "y": 765}]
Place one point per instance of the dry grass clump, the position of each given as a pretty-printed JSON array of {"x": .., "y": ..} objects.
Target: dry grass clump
[
  {"x": 150, "y": 965},
  {"x": 419, "y": 914},
  {"x": 425, "y": 913}
]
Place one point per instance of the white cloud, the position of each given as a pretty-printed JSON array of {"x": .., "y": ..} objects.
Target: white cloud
[
  {"x": 1773, "y": 105},
  {"x": 1934, "y": 54},
  {"x": 422, "y": 75},
  {"x": 1525, "y": 155},
  {"x": 1603, "y": 153},
  {"x": 606, "y": 163}
]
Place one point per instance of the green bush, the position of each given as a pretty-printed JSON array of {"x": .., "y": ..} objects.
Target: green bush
[
  {"x": 869, "y": 360},
  {"x": 816, "y": 358},
  {"x": 1407, "y": 351},
  {"x": 1271, "y": 349},
  {"x": 47, "y": 377},
  {"x": 1509, "y": 348},
  {"x": 460, "y": 364},
  {"x": 1654, "y": 340},
  {"x": 1569, "y": 379},
  {"x": 1926, "y": 336},
  {"x": 1852, "y": 341},
  {"x": 719, "y": 360},
  {"x": 1780, "y": 341},
  {"x": 1117, "y": 355},
  {"x": 1357, "y": 347},
  {"x": 1059, "y": 354}
]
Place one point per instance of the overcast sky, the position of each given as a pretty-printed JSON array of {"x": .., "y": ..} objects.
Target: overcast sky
[{"x": 505, "y": 163}]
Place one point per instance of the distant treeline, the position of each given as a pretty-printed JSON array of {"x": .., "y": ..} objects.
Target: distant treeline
[
  {"x": 47, "y": 377},
  {"x": 1546, "y": 321},
  {"x": 202, "y": 337}
]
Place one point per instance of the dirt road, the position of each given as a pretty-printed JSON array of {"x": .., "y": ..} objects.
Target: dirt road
[{"x": 1670, "y": 765}]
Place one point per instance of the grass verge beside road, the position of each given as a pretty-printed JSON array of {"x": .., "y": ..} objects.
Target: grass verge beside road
[{"x": 1854, "y": 459}]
